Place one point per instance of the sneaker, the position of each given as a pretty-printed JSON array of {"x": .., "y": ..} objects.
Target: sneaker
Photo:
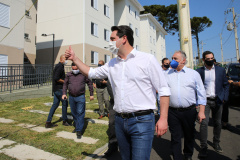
[
  {"x": 203, "y": 153},
  {"x": 79, "y": 135},
  {"x": 50, "y": 125},
  {"x": 100, "y": 117},
  {"x": 65, "y": 123},
  {"x": 217, "y": 148}
]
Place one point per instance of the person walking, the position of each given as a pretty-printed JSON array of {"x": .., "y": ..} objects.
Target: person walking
[
  {"x": 187, "y": 92},
  {"x": 217, "y": 89},
  {"x": 58, "y": 80},
  {"x": 75, "y": 83},
  {"x": 134, "y": 76},
  {"x": 102, "y": 93}
]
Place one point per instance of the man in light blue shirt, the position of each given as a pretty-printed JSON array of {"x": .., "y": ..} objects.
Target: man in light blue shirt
[{"x": 187, "y": 90}]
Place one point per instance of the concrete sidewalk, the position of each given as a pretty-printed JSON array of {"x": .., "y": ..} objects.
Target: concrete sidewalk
[{"x": 230, "y": 142}]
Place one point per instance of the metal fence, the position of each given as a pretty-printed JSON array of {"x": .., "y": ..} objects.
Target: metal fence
[{"x": 15, "y": 77}]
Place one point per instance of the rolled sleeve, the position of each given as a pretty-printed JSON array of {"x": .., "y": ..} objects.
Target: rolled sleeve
[
  {"x": 201, "y": 93},
  {"x": 158, "y": 79}
]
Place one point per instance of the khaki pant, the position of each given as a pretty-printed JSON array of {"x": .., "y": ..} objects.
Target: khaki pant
[{"x": 103, "y": 97}]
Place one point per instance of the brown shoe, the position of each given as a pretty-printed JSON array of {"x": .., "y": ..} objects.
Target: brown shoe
[
  {"x": 100, "y": 117},
  {"x": 65, "y": 123},
  {"x": 50, "y": 125}
]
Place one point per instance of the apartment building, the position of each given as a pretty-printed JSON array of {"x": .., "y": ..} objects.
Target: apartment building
[
  {"x": 86, "y": 26},
  {"x": 154, "y": 36},
  {"x": 83, "y": 24},
  {"x": 17, "y": 31}
]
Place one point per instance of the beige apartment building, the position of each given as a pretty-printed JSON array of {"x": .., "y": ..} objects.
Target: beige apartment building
[
  {"x": 86, "y": 26},
  {"x": 17, "y": 31}
]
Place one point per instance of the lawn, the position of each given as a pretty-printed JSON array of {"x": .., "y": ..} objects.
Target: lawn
[{"x": 48, "y": 141}]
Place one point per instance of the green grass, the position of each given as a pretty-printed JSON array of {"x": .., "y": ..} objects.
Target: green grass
[{"x": 48, "y": 141}]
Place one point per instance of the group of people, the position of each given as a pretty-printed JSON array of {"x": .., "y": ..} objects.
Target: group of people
[{"x": 134, "y": 78}]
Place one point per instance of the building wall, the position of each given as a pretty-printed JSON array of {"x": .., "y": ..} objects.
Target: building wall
[
  {"x": 15, "y": 38},
  {"x": 15, "y": 55}
]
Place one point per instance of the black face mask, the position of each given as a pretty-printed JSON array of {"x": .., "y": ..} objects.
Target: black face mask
[
  {"x": 166, "y": 66},
  {"x": 99, "y": 65},
  {"x": 209, "y": 63}
]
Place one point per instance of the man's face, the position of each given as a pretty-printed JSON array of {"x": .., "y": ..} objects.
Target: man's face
[
  {"x": 118, "y": 40},
  {"x": 177, "y": 57},
  {"x": 74, "y": 68},
  {"x": 100, "y": 63},
  {"x": 166, "y": 62},
  {"x": 209, "y": 57}
]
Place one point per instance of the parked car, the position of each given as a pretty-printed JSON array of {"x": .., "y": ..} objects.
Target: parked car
[{"x": 233, "y": 73}]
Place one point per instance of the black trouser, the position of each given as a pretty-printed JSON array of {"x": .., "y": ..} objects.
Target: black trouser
[
  {"x": 182, "y": 122},
  {"x": 225, "y": 112},
  {"x": 111, "y": 130}
]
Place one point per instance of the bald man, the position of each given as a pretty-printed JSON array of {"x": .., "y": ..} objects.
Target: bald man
[{"x": 58, "y": 80}]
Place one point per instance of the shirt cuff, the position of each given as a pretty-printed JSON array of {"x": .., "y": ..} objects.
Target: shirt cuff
[
  {"x": 164, "y": 91},
  {"x": 202, "y": 102}
]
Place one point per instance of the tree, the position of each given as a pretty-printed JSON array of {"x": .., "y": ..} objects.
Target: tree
[
  {"x": 199, "y": 24},
  {"x": 166, "y": 15}
]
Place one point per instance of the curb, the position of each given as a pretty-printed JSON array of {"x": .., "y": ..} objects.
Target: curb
[{"x": 97, "y": 153}]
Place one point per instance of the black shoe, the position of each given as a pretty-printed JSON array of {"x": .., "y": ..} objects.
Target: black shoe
[
  {"x": 203, "y": 153},
  {"x": 226, "y": 126},
  {"x": 79, "y": 135},
  {"x": 217, "y": 148},
  {"x": 50, "y": 125},
  {"x": 65, "y": 123},
  {"x": 110, "y": 151}
]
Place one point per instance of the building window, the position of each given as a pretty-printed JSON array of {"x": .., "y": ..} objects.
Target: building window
[
  {"x": 26, "y": 36},
  {"x": 130, "y": 25},
  {"x": 94, "y": 4},
  {"x": 3, "y": 66},
  {"x": 154, "y": 41},
  {"x": 106, "y": 58},
  {"x": 150, "y": 39},
  {"x": 106, "y": 11},
  {"x": 136, "y": 31},
  {"x": 129, "y": 9},
  {"x": 94, "y": 57},
  {"x": 135, "y": 14},
  {"x": 153, "y": 27},
  {"x": 106, "y": 35},
  {"x": 94, "y": 29},
  {"x": 4, "y": 15}
]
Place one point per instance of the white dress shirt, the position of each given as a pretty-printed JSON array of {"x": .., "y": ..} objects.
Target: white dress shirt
[
  {"x": 134, "y": 81},
  {"x": 186, "y": 88},
  {"x": 209, "y": 82}
]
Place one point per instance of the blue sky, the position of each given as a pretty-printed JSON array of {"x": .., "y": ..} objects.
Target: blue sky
[{"x": 214, "y": 10}]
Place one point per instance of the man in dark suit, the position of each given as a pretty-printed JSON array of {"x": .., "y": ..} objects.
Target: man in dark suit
[{"x": 217, "y": 88}]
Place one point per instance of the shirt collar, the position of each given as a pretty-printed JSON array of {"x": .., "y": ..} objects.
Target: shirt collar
[
  {"x": 132, "y": 53},
  {"x": 208, "y": 69},
  {"x": 183, "y": 69}
]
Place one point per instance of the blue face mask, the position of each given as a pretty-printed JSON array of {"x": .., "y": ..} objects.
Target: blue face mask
[{"x": 174, "y": 64}]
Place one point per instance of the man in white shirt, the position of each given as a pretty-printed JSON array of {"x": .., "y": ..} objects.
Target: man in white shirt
[
  {"x": 134, "y": 76},
  {"x": 187, "y": 91},
  {"x": 216, "y": 84}
]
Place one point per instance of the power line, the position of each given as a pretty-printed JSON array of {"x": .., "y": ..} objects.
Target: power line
[{"x": 228, "y": 38}]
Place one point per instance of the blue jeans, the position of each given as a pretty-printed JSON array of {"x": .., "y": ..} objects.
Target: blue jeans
[
  {"x": 56, "y": 100},
  {"x": 77, "y": 105},
  {"x": 135, "y": 136}
]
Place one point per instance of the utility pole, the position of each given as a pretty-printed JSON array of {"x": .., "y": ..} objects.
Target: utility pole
[
  {"x": 235, "y": 32},
  {"x": 221, "y": 47},
  {"x": 185, "y": 30}
]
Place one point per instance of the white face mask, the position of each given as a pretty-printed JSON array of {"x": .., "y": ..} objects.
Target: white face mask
[
  {"x": 75, "y": 71},
  {"x": 66, "y": 61},
  {"x": 113, "y": 48}
]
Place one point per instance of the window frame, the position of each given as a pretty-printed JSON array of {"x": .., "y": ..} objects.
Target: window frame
[
  {"x": 94, "y": 57},
  {"x": 6, "y": 17},
  {"x": 94, "y": 29}
]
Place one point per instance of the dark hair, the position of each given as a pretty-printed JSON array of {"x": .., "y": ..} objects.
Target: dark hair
[
  {"x": 206, "y": 53},
  {"x": 124, "y": 30},
  {"x": 214, "y": 60},
  {"x": 164, "y": 60},
  {"x": 73, "y": 64}
]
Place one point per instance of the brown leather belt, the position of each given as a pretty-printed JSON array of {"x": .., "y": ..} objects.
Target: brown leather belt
[{"x": 134, "y": 114}]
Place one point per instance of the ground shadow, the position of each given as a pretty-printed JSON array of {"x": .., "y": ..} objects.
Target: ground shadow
[{"x": 162, "y": 147}]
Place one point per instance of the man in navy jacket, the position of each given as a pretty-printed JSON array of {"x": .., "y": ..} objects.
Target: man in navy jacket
[{"x": 217, "y": 88}]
